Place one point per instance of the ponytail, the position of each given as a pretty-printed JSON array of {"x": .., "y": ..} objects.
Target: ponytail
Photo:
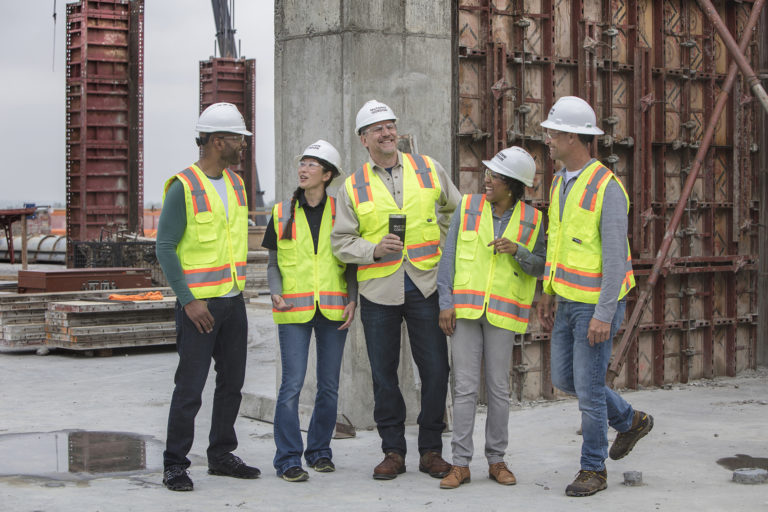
[{"x": 287, "y": 231}]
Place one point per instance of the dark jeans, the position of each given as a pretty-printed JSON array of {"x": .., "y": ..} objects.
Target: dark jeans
[
  {"x": 430, "y": 353},
  {"x": 226, "y": 344}
]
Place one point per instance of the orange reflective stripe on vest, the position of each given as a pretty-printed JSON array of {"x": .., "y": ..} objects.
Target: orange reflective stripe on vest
[
  {"x": 200, "y": 201},
  {"x": 388, "y": 259},
  {"x": 283, "y": 216},
  {"x": 333, "y": 300},
  {"x": 421, "y": 169},
  {"x": 471, "y": 221},
  {"x": 237, "y": 184},
  {"x": 552, "y": 189},
  {"x": 209, "y": 276},
  {"x": 300, "y": 301},
  {"x": 472, "y": 299},
  {"x": 588, "y": 198},
  {"x": 361, "y": 184},
  {"x": 529, "y": 219},
  {"x": 587, "y": 281},
  {"x": 508, "y": 308},
  {"x": 423, "y": 251}
]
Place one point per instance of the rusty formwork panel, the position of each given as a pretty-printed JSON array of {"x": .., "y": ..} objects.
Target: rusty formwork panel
[
  {"x": 234, "y": 81},
  {"x": 104, "y": 124},
  {"x": 652, "y": 70}
]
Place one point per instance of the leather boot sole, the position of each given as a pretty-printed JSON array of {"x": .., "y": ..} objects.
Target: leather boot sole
[{"x": 388, "y": 476}]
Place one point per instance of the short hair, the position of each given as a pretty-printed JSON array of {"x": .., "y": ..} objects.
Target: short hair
[{"x": 586, "y": 138}]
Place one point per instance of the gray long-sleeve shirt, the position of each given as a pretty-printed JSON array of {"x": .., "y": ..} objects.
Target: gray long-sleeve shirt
[
  {"x": 613, "y": 236},
  {"x": 532, "y": 263}
]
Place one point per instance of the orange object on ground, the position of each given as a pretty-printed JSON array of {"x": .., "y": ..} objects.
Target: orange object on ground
[{"x": 139, "y": 296}]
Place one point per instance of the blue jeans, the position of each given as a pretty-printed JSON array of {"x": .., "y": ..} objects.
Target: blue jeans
[
  {"x": 579, "y": 369},
  {"x": 227, "y": 345},
  {"x": 294, "y": 351},
  {"x": 430, "y": 353}
]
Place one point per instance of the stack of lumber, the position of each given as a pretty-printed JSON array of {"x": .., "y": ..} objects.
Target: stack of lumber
[
  {"x": 106, "y": 324},
  {"x": 22, "y": 315}
]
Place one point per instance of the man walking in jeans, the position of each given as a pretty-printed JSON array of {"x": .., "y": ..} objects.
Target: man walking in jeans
[
  {"x": 202, "y": 244},
  {"x": 589, "y": 269},
  {"x": 398, "y": 280}
]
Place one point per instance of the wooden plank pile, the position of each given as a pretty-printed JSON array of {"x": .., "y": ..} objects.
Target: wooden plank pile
[
  {"x": 99, "y": 324},
  {"x": 23, "y": 315}
]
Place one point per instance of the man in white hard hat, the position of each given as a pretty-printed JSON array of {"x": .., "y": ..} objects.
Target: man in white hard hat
[
  {"x": 589, "y": 269},
  {"x": 202, "y": 244},
  {"x": 493, "y": 254},
  {"x": 397, "y": 277}
]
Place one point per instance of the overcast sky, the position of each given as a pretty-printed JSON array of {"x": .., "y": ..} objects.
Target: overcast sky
[{"x": 177, "y": 35}]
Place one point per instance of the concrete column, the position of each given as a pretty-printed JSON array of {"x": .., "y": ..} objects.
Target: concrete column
[{"x": 331, "y": 56}]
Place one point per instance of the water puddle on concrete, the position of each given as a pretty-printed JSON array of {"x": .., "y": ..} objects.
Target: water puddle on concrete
[
  {"x": 743, "y": 461},
  {"x": 78, "y": 454}
]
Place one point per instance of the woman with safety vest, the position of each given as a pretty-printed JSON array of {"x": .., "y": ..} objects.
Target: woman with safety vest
[
  {"x": 311, "y": 290},
  {"x": 493, "y": 253}
]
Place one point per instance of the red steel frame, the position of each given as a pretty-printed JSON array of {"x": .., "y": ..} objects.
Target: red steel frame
[
  {"x": 652, "y": 70},
  {"x": 234, "y": 81},
  {"x": 104, "y": 124}
]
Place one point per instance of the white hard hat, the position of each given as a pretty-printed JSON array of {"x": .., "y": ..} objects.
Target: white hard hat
[
  {"x": 372, "y": 112},
  {"x": 222, "y": 117},
  {"x": 514, "y": 162},
  {"x": 573, "y": 115},
  {"x": 324, "y": 150}
]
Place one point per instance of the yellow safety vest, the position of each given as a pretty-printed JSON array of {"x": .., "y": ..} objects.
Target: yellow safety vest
[
  {"x": 373, "y": 205},
  {"x": 214, "y": 248},
  {"x": 494, "y": 283},
  {"x": 574, "y": 267},
  {"x": 309, "y": 279}
]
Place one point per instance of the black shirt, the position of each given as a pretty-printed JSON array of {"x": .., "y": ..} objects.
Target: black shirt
[{"x": 314, "y": 216}]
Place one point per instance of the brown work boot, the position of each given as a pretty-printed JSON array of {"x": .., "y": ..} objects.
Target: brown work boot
[
  {"x": 392, "y": 465},
  {"x": 433, "y": 463},
  {"x": 642, "y": 423},
  {"x": 457, "y": 475},
  {"x": 500, "y": 472},
  {"x": 587, "y": 483}
]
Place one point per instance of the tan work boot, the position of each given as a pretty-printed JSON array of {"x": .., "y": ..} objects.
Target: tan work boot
[
  {"x": 457, "y": 476},
  {"x": 500, "y": 472}
]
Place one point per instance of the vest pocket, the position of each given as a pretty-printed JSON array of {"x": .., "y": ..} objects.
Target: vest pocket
[
  {"x": 289, "y": 284},
  {"x": 468, "y": 247},
  {"x": 198, "y": 257},
  {"x": 460, "y": 279},
  {"x": 286, "y": 252},
  {"x": 206, "y": 231},
  {"x": 431, "y": 231}
]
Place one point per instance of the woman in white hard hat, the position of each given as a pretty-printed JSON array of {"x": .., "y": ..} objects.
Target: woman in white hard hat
[
  {"x": 311, "y": 290},
  {"x": 486, "y": 281}
]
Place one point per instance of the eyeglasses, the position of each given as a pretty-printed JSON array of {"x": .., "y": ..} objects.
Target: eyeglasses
[
  {"x": 390, "y": 127},
  {"x": 551, "y": 135},
  {"x": 492, "y": 175},
  {"x": 236, "y": 138},
  {"x": 311, "y": 165}
]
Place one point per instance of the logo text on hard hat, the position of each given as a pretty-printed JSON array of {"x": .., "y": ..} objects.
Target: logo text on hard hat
[
  {"x": 501, "y": 156},
  {"x": 376, "y": 110}
]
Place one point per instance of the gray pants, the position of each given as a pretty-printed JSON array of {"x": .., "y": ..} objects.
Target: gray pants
[{"x": 475, "y": 342}]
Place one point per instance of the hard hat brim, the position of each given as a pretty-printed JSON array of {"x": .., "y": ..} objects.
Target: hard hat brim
[
  {"x": 505, "y": 172},
  {"x": 570, "y": 128}
]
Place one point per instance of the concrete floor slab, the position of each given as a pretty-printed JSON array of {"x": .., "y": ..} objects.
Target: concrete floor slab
[{"x": 695, "y": 426}]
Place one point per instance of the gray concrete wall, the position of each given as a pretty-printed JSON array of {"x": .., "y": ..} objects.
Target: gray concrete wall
[{"x": 331, "y": 56}]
